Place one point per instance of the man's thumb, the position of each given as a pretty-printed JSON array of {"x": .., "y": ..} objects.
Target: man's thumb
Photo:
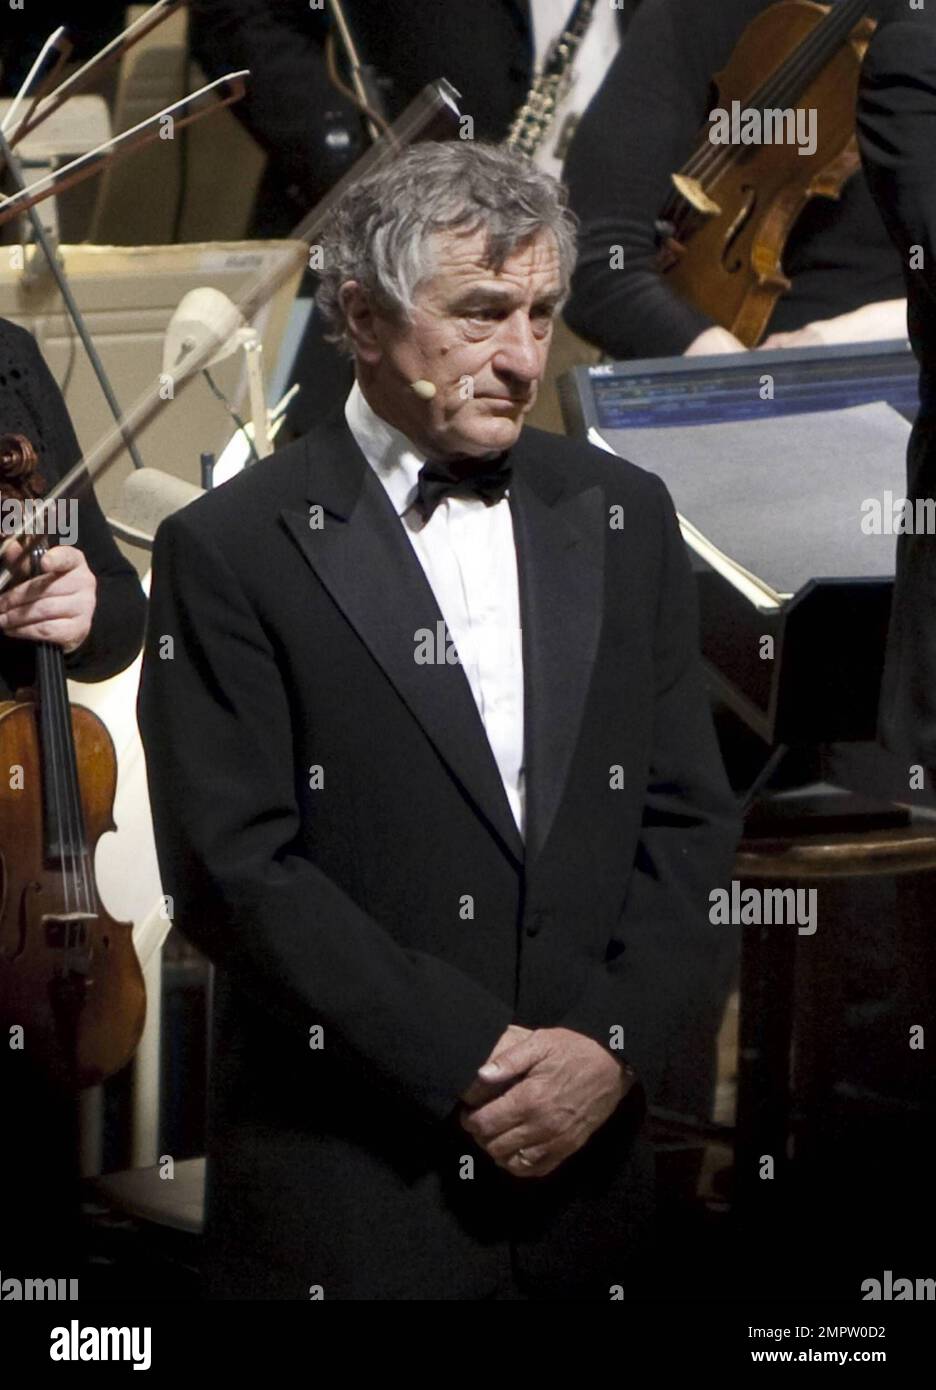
[{"x": 513, "y": 1062}]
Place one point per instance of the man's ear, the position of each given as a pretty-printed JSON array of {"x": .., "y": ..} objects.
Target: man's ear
[{"x": 359, "y": 320}]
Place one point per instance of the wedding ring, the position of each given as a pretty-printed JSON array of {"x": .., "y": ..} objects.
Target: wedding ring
[{"x": 521, "y": 1156}]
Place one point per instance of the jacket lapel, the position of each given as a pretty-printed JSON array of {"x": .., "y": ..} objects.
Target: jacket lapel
[
  {"x": 364, "y": 558},
  {"x": 560, "y": 538}
]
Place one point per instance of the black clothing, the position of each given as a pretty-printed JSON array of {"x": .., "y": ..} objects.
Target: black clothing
[
  {"x": 291, "y": 108},
  {"x": 488, "y": 479},
  {"x": 313, "y": 135},
  {"x": 32, "y": 404},
  {"x": 39, "y": 1164},
  {"x": 897, "y": 131},
  {"x": 24, "y": 32},
  {"x": 338, "y": 903},
  {"x": 641, "y": 128}
]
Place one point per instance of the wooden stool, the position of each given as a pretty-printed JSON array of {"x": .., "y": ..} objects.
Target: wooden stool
[{"x": 768, "y": 960}]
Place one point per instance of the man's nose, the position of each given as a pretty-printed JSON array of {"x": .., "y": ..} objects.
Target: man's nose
[{"x": 519, "y": 352}]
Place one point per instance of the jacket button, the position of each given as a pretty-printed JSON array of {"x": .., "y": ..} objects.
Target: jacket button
[{"x": 536, "y": 921}]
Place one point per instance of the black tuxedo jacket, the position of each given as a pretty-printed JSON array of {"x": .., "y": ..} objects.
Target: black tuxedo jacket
[
  {"x": 897, "y": 137},
  {"x": 335, "y": 835}
]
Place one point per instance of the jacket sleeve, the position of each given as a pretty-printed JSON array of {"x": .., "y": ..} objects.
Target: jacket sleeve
[
  {"x": 896, "y": 121},
  {"x": 667, "y": 969},
  {"x": 217, "y": 731},
  {"x": 120, "y": 610}
]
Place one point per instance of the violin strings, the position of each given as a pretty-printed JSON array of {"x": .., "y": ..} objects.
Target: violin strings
[
  {"x": 782, "y": 87},
  {"x": 50, "y": 754},
  {"x": 54, "y": 752},
  {"x": 63, "y": 781},
  {"x": 790, "y": 79},
  {"x": 77, "y": 840}
]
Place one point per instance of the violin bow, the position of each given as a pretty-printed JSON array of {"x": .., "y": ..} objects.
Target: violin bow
[
  {"x": 438, "y": 101},
  {"x": 61, "y": 45},
  {"x": 212, "y": 97},
  {"x": 111, "y": 53}
]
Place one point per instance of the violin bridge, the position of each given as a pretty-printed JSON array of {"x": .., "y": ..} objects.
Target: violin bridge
[{"x": 694, "y": 193}]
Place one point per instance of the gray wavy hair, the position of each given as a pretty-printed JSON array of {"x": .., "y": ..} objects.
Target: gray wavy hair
[{"x": 379, "y": 231}]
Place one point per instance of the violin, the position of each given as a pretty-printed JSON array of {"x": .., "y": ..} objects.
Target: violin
[
  {"x": 69, "y": 974},
  {"x": 722, "y": 232}
]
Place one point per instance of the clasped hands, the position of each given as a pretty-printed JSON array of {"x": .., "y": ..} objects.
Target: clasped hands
[{"x": 540, "y": 1096}]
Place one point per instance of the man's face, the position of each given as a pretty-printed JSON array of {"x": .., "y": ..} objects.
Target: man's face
[{"x": 480, "y": 337}]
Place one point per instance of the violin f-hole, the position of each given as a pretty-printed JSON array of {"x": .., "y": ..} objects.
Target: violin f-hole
[{"x": 731, "y": 262}]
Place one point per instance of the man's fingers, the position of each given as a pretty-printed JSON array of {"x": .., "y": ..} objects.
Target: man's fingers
[
  {"x": 515, "y": 1061},
  {"x": 64, "y": 633},
  {"x": 29, "y": 590},
  {"x": 480, "y": 1092},
  {"x": 522, "y": 1157},
  {"x": 62, "y": 558},
  {"x": 509, "y": 1039},
  {"x": 13, "y": 554},
  {"x": 48, "y": 608},
  {"x": 497, "y": 1116}
]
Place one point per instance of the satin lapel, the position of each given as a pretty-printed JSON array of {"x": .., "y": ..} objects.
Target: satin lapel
[
  {"x": 560, "y": 543},
  {"x": 365, "y": 560}
]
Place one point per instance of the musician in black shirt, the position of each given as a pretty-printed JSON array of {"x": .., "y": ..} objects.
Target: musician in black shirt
[
  {"x": 90, "y": 602},
  {"x": 99, "y": 623},
  {"x": 641, "y": 127}
]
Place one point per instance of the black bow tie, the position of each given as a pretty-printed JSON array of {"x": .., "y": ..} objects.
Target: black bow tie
[{"x": 437, "y": 481}]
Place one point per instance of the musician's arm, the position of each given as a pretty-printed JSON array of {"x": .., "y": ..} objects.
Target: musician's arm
[
  {"x": 116, "y": 634},
  {"x": 639, "y": 129},
  {"x": 871, "y": 323}
]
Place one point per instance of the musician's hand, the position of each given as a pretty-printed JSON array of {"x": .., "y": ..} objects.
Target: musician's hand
[
  {"x": 885, "y": 318},
  {"x": 565, "y": 1087},
  {"x": 810, "y": 335},
  {"x": 54, "y": 606},
  {"x": 714, "y": 340}
]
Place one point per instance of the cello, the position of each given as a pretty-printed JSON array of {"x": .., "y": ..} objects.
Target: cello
[
  {"x": 69, "y": 974},
  {"x": 722, "y": 231}
]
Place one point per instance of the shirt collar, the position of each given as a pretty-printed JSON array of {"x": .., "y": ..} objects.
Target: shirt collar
[{"x": 391, "y": 455}]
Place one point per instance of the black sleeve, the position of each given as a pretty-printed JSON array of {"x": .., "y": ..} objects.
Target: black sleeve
[
  {"x": 666, "y": 975},
  {"x": 282, "y": 42},
  {"x": 639, "y": 129},
  {"x": 117, "y": 627},
  {"x": 897, "y": 138}
]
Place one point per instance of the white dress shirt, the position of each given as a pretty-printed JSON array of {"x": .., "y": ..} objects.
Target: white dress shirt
[{"x": 468, "y": 555}]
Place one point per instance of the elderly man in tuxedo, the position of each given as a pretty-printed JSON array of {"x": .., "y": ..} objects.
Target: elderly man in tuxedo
[{"x": 436, "y": 788}]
